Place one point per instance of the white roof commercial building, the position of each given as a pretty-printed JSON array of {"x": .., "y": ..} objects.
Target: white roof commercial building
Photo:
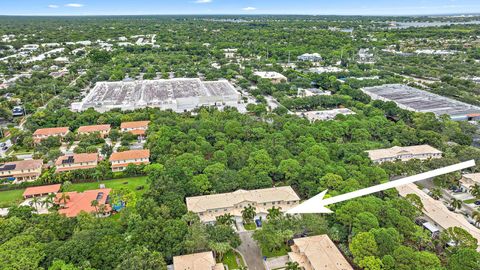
[
  {"x": 406, "y": 153},
  {"x": 209, "y": 207},
  {"x": 313, "y": 57},
  {"x": 417, "y": 100},
  {"x": 324, "y": 115},
  {"x": 273, "y": 76},
  {"x": 178, "y": 95}
]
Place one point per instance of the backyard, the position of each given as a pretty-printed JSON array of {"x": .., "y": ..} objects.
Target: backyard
[
  {"x": 232, "y": 259},
  {"x": 14, "y": 197}
]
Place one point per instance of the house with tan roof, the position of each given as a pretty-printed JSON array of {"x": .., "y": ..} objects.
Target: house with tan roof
[
  {"x": 209, "y": 207},
  {"x": 137, "y": 128},
  {"x": 76, "y": 202},
  {"x": 316, "y": 253},
  {"x": 421, "y": 152},
  {"x": 76, "y": 162},
  {"x": 103, "y": 130},
  {"x": 469, "y": 180},
  {"x": 21, "y": 171},
  {"x": 120, "y": 160},
  {"x": 43, "y": 133},
  {"x": 197, "y": 261},
  {"x": 40, "y": 191}
]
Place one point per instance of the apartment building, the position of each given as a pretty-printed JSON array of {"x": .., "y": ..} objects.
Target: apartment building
[
  {"x": 469, "y": 180},
  {"x": 209, "y": 207},
  {"x": 43, "y": 133},
  {"x": 200, "y": 261},
  {"x": 103, "y": 130},
  {"x": 421, "y": 152},
  {"x": 120, "y": 160},
  {"x": 21, "y": 171},
  {"x": 137, "y": 128},
  {"x": 317, "y": 253},
  {"x": 76, "y": 162}
]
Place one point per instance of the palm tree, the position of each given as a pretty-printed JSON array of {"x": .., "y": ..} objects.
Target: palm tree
[
  {"x": 94, "y": 204},
  {"x": 97, "y": 175},
  {"x": 64, "y": 198},
  {"x": 248, "y": 214},
  {"x": 102, "y": 208},
  {"x": 49, "y": 200},
  {"x": 456, "y": 204},
  {"x": 220, "y": 248},
  {"x": 226, "y": 219},
  {"x": 436, "y": 193},
  {"x": 274, "y": 213},
  {"x": 34, "y": 202},
  {"x": 475, "y": 191},
  {"x": 292, "y": 266},
  {"x": 476, "y": 217}
]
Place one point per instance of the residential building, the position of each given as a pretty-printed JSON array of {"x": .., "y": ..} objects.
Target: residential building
[
  {"x": 120, "y": 160},
  {"x": 197, "y": 261},
  {"x": 438, "y": 213},
  {"x": 422, "y": 152},
  {"x": 312, "y": 57},
  {"x": 103, "y": 130},
  {"x": 273, "y": 76},
  {"x": 137, "y": 128},
  {"x": 77, "y": 162},
  {"x": 316, "y": 253},
  {"x": 40, "y": 191},
  {"x": 43, "y": 133},
  {"x": 209, "y": 207},
  {"x": 76, "y": 202},
  {"x": 469, "y": 180},
  {"x": 21, "y": 171}
]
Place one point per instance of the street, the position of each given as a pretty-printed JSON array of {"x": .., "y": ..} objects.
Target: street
[{"x": 250, "y": 251}]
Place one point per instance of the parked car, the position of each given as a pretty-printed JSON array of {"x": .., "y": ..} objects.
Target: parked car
[{"x": 477, "y": 202}]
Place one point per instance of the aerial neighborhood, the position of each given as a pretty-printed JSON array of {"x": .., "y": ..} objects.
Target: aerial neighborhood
[{"x": 260, "y": 141}]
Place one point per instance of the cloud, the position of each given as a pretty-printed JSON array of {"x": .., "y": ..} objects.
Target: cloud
[
  {"x": 74, "y": 5},
  {"x": 53, "y": 6},
  {"x": 203, "y": 1},
  {"x": 249, "y": 8}
]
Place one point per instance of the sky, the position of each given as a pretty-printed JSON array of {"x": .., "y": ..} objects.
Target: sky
[{"x": 315, "y": 7}]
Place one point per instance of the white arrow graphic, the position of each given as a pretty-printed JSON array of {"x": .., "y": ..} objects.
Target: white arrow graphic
[{"x": 317, "y": 204}]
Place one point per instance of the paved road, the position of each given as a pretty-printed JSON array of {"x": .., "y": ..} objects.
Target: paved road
[{"x": 250, "y": 251}]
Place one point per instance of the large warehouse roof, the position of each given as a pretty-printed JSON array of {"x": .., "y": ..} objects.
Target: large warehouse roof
[
  {"x": 177, "y": 94},
  {"x": 414, "y": 99}
]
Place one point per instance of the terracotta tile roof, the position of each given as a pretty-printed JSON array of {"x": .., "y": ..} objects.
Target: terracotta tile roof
[
  {"x": 225, "y": 200},
  {"x": 31, "y": 191},
  {"x": 138, "y": 131},
  {"x": 78, "y": 158},
  {"x": 197, "y": 261},
  {"x": 22, "y": 165},
  {"x": 136, "y": 124},
  {"x": 131, "y": 154},
  {"x": 50, "y": 131},
  {"x": 95, "y": 128},
  {"x": 318, "y": 252},
  {"x": 79, "y": 202}
]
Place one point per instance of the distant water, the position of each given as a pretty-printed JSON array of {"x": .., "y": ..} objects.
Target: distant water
[{"x": 403, "y": 25}]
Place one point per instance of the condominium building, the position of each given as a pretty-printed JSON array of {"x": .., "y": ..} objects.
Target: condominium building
[
  {"x": 197, "y": 261},
  {"x": 21, "y": 171},
  {"x": 120, "y": 160},
  {"x": 43, "y": 133},
  {"x": 421, "y": 152},
  {"x": 137, "y": 128},
  {"x": 316, "y": 253},
  {"x": 469, "y": 180},
  {"x": 76, "y": 162},
  {"x": 209, "y": 207},
  {"x": 103, "y": 130}
]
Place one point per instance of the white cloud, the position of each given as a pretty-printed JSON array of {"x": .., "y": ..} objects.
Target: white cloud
[
  {"x": 203, "y": 1},
  {"x": 249, "y": 8},
  {"x": 74, "y": 5},
  {"x": 53, "y": 6}
]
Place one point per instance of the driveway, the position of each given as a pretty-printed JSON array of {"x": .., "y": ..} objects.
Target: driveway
[
  {"x": 250, "y": 251},
  {"x": 277, "y": 262}
]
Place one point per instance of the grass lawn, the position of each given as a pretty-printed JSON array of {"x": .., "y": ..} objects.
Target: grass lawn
[
  {"x": 230, "y": 259},
  {"x": 276, "y": 253},
  {"x": 250, "y": 226},
  {"x": 130, "y": 183},
  {"x": 11, "y": 197},
  {"x": 14, "y": 197},
  {"x": 470, "y": 201}
]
